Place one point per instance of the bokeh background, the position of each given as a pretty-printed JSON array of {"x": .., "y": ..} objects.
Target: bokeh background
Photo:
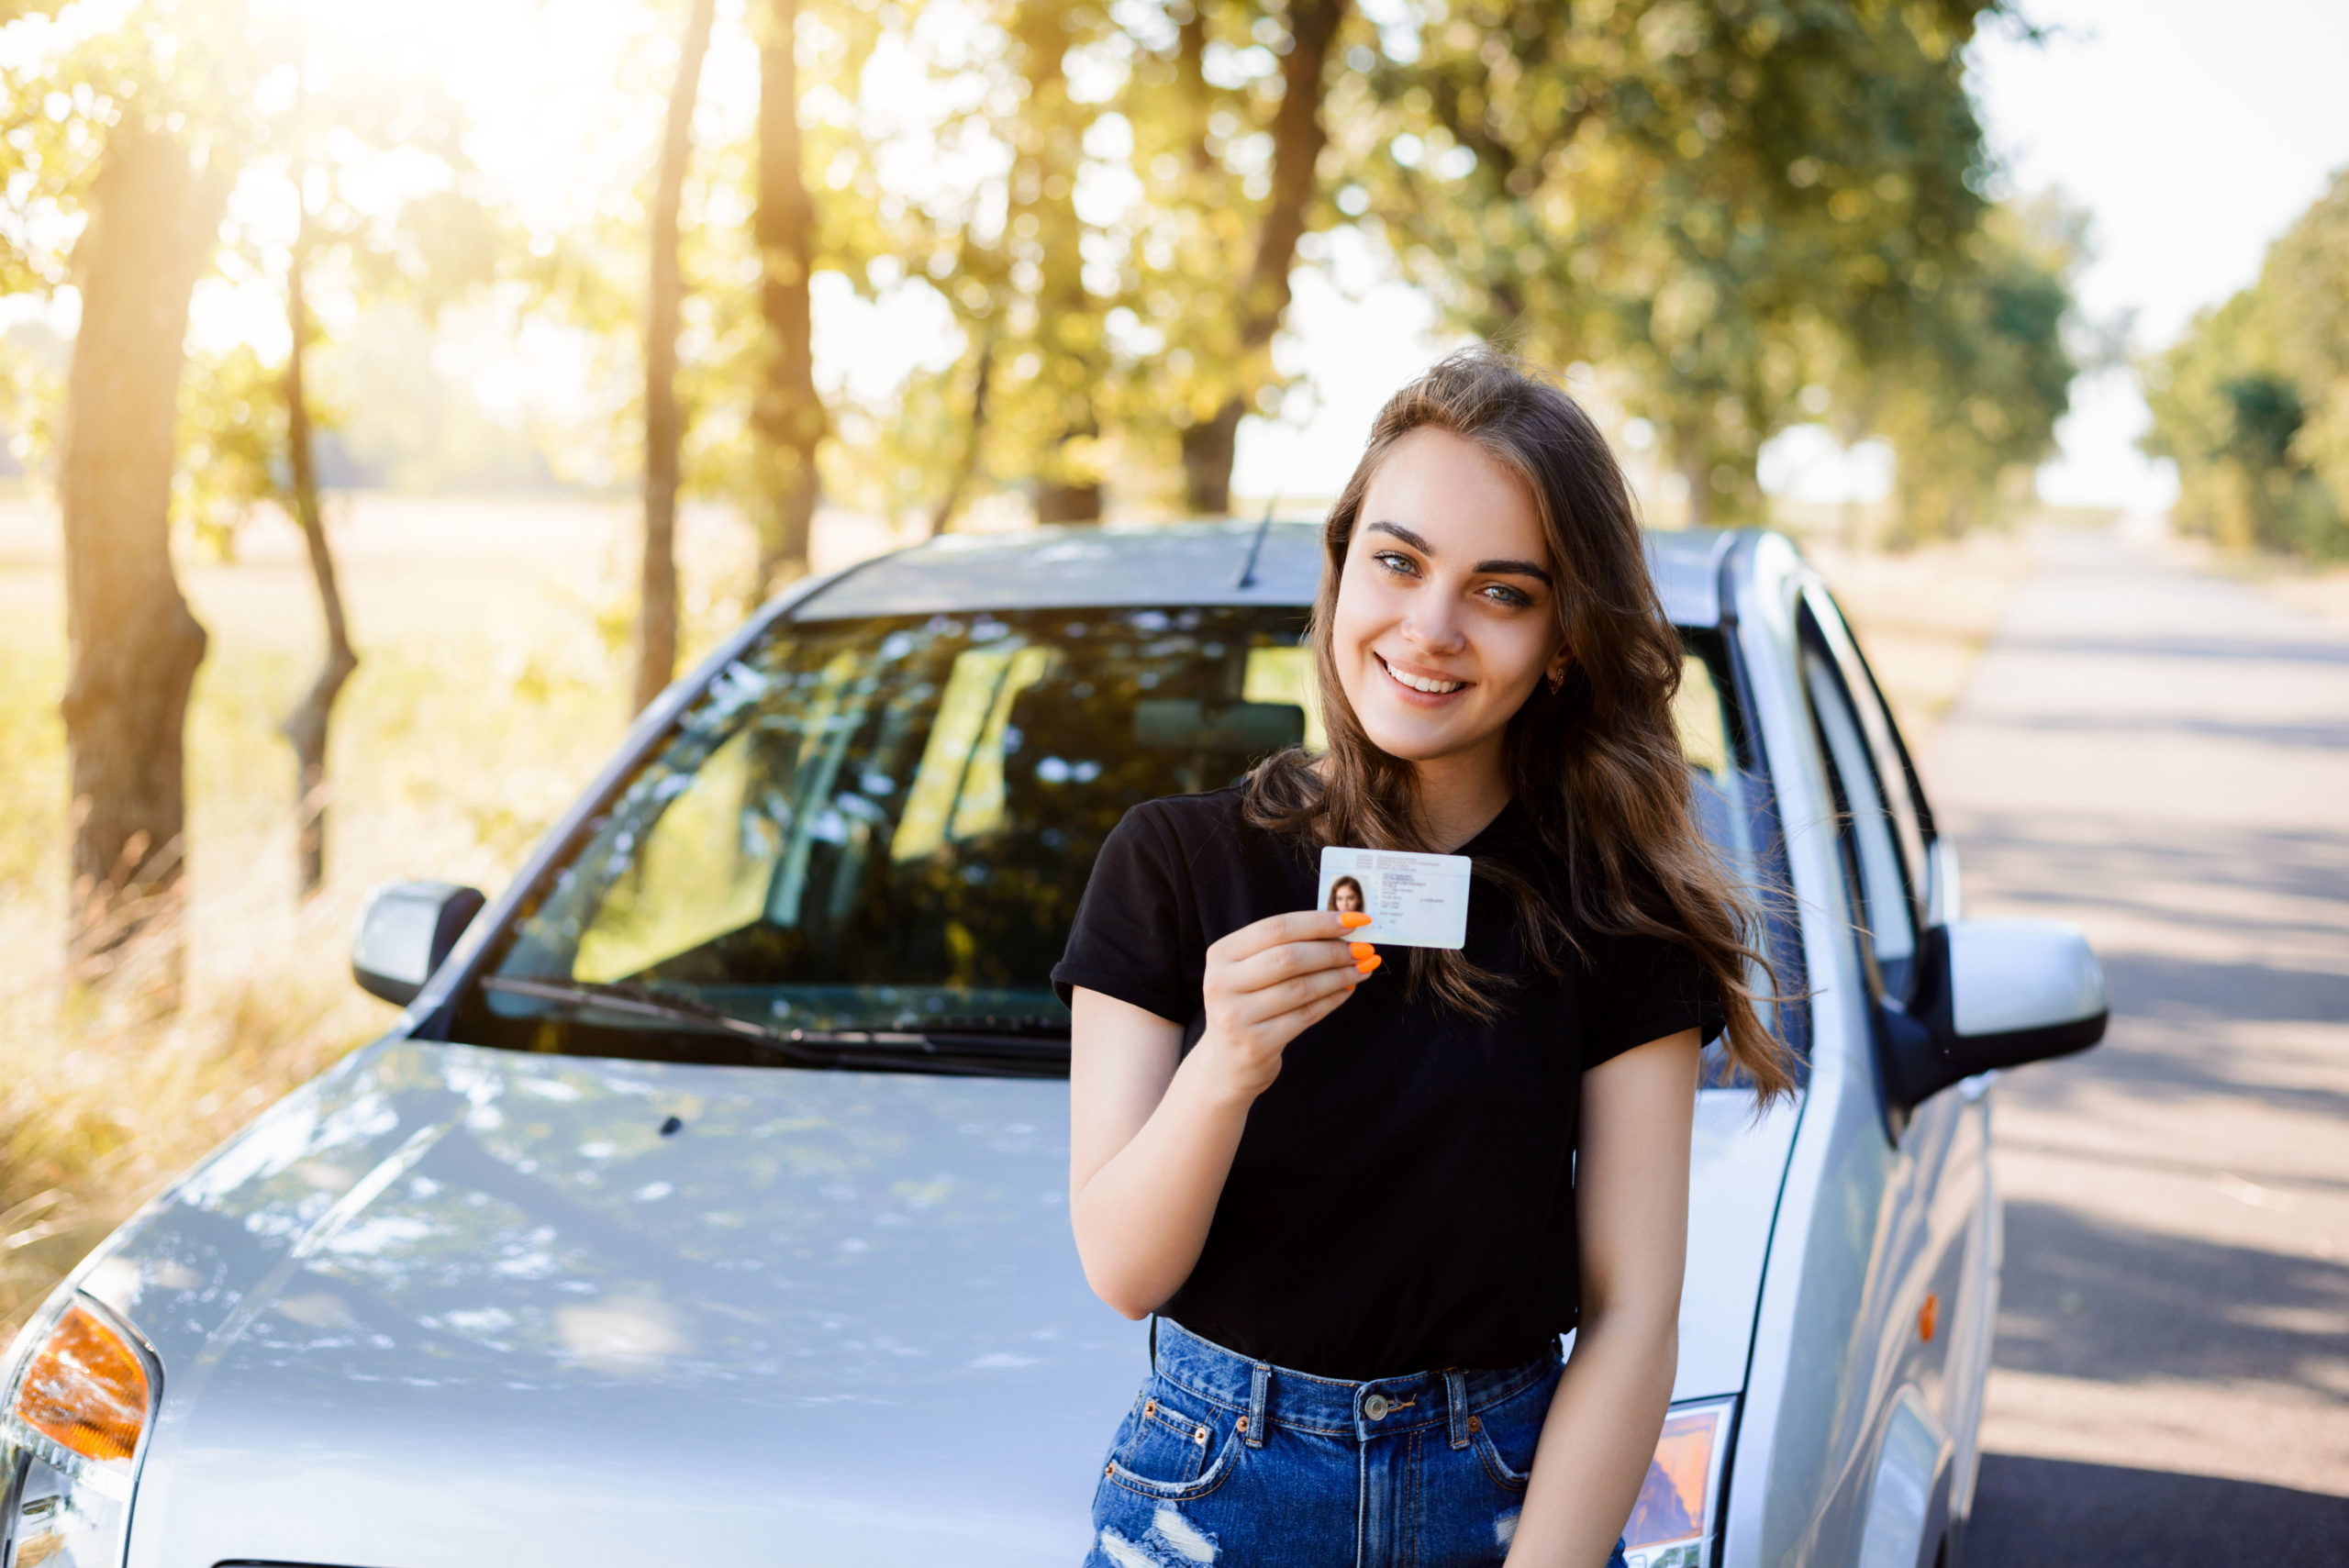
[{"x": 465, "y": 368}]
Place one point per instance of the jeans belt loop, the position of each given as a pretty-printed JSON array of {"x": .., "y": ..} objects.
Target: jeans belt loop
[
  {"x": 1259, "y": 1380},
  {"x": 1455, "y": 1394}
]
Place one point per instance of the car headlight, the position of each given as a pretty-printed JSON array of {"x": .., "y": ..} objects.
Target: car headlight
[
  {"x": 1672, "y": 1524},
  {"x": 77, "y": 1409}
]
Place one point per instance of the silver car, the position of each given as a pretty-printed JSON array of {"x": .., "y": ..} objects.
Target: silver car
[{"x": 707, "y": 1203}]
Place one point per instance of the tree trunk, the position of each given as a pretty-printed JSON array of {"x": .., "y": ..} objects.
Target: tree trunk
[
  {"x": 1698, "y": 475},
  {"x": 1191, "y": 79},
  {"x": 133, "y": 646},
  {"x": 1299, "y": 137},
  {"x": 656, "y": 621},
  {"x": 1208, "y": 449},
  {"x": 1069, "y": 326},
  {"x": 787, "y": 417},
  {"x": 947, "y": 504},
  {"x": 304, "y": 727}
]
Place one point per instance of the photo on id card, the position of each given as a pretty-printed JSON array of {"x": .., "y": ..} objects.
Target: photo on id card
[{"x": 1413, "y": 901}]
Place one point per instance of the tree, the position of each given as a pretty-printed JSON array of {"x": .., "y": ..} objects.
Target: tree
[
  {"x": 2252, "y": 401},
  {"x": 1721, "y": 205},
  {"x": 1048, "y": 240},
  {"x": 1297, "y": 139},
  {"x": 787, "y": 417},
  {"x": 305, "y": 726},
  {"x": 656, "y": 643},
  {"x": 133, "y": 645},
  {"x": 1971, "y": 406}
]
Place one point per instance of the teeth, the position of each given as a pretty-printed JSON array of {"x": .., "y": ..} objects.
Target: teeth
[{"x": 1433, "y": 688}]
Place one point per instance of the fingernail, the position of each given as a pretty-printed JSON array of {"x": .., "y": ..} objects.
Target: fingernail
[
  {"x": 1366, "y": 966},
  {"x": 1352, "y": 918},
  {"x": 1361, "y": 950}
]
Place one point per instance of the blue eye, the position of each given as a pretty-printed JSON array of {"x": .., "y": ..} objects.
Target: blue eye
[
  {"x": 1394, "y": 562},
  {"x": 1503, "y": 595}
]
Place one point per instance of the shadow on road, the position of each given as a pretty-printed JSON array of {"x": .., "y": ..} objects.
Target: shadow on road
[
  {"x": 2128, "y": 867},
  {"x": 2096, "y": 1299},
  {"x": 2295, "y": 650},
  {"x": 2049, "y": 1513}
]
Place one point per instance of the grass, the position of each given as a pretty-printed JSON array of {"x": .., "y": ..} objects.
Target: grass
[{"x": 492, "y": 685}]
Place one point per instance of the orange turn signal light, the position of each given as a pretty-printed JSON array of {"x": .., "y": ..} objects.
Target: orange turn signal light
[
  {"x": 85, "y": 1390},
  {"x": 1929, "y": 1315}
]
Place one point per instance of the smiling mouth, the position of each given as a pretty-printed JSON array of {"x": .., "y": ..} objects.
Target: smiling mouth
[{"x": 1425, "y": 685}]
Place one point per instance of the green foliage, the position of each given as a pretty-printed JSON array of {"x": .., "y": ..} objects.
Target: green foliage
[
  {"x": 2252, "y": 403},
  {"x": 232, "y": 446},
  {"x": 1721, "y": 206},
  {"x": 1969, "y": 403},
  {"x": 1727, "y": 208}
]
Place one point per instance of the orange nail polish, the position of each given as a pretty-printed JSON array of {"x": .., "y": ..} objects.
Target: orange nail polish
[
  {"x": 1354, "y": 918},
  {"x": 1366, "y": 966},
  {"x": 1361, "y": 950}
]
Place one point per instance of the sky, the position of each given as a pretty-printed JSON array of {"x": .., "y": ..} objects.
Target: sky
[{"x": 2193, "y": 133}]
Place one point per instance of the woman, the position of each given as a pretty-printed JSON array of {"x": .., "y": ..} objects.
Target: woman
[
  {"x": 1345, "y": 897},
  {"x": 1365, "y": 1223}
]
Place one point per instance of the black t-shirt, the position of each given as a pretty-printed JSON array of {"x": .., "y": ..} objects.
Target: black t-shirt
[{"x": 1402, "y": 1198}]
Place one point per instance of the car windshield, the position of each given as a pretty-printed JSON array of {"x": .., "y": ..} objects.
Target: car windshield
[{"x": 864, "y": 842}]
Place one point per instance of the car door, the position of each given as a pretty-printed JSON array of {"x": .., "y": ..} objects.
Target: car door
[{"x": 1929, "y": 1234}]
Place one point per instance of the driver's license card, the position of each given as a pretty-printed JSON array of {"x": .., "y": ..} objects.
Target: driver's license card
[{"x": 1413, "y": 901}]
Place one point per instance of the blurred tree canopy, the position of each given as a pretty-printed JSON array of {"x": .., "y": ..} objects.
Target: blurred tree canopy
[
  {"x": 2252, "y": 403},
  {"x": 1746, "y": 214}
]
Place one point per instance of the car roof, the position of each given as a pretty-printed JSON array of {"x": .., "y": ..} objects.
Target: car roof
[{"x": 1220, "y": 562}]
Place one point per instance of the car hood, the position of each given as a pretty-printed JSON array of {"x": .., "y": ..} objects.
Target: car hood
[{"x": 448, "y": 1306}]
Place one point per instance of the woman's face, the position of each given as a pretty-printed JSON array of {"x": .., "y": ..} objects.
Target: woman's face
[
  {"x": 1446, "y": 616},
  {"x": 1346, "y": 899}
]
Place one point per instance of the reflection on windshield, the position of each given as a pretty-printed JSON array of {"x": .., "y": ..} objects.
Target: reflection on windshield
[{"x": 888, "y": 823}]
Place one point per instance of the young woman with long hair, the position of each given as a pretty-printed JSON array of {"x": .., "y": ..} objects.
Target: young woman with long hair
[{"x": 1365, "y": 1203}]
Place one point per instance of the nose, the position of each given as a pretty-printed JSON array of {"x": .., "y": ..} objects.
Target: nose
[{"x": 1436, "y": 630}]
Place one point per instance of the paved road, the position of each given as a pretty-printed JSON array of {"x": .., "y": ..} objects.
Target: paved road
[{"x": 2163, "y": 756}]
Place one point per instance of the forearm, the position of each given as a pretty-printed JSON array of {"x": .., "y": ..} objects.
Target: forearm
[
  {"x": 1597, "y": 1439},
  {"x": 1142, "y": 1218}
]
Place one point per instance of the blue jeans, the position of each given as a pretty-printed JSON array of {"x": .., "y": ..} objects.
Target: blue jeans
[{"x": 1225, "y": 1461}]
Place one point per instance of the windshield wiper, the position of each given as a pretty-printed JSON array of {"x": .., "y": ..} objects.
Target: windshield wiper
[
  {"x": 970, "y": 1040},
  {"x": 992, "y": 1025}
]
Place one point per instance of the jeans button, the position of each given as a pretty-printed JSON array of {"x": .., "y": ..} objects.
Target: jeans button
[{"x": 1377, "y": 1406}]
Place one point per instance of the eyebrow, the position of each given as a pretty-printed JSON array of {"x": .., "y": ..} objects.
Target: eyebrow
[{"x": 1499, "y": 568}]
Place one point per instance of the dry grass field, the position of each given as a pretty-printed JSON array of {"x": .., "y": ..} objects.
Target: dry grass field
[{"x": 492, "y": 684}]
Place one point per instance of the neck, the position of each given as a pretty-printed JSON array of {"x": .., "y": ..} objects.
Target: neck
[{"x": 1458, "y": 797}]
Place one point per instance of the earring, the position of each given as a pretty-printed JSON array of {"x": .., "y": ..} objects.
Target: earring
[{"x": 1558, "y": 681}]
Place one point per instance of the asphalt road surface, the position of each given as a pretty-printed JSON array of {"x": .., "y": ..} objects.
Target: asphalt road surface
[{"x": 2163, "y": 756}]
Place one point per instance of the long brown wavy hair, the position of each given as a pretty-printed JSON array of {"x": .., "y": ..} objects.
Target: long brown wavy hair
[{"x": 1596, "y": 763}]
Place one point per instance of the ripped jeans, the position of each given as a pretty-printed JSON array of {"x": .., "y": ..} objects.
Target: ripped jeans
[{"x": 1226, "y": 1460}]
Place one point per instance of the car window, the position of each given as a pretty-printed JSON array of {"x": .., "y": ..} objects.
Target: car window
[
  {"x": 1865, "y": 820},
  {"x": 1909, "y": 819},
  {"x": 886, "y": 825}
]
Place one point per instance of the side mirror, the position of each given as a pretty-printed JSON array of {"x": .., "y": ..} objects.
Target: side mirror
[
  {"x": 405, "y": 929},
  {"x": 1992, "y": 993}
]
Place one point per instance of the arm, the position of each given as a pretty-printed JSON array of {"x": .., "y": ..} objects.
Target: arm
[
  {"x": 1631, "y": 1208},
  {"x": 1151, "y": 1141}
]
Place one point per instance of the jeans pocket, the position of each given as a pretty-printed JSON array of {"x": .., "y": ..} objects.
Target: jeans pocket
[
  {"x": 1173, "y": 1447},
  {"x": 1506, "y": 1433}
]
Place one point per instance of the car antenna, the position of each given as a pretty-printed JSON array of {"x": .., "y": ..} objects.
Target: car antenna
[{"x": 1247, "y": 578}]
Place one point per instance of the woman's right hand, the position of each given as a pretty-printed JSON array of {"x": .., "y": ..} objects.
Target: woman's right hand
[{"x": 1269, "y": 981}]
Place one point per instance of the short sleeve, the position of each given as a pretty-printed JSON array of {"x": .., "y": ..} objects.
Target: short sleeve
[
  {"x": 1127, "y": 939},
  {"x": 1643, "y": 988}
]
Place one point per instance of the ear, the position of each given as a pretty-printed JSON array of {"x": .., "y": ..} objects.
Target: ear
[{"x": 1555, "y": 675}]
